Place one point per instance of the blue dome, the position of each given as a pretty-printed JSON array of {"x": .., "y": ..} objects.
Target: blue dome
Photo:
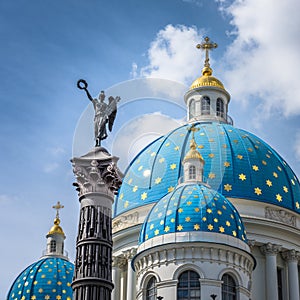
[
  {"x": 46, "y": 279},
  {"x": 237, "y": 164},
  {"x": 192, "y": 208}
]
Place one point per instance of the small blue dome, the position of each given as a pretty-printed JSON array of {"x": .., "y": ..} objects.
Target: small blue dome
[
  {"x": 46, "y": 279},
  {"x": 237, "y": 164},
  {"x": 193, "y": 207}
]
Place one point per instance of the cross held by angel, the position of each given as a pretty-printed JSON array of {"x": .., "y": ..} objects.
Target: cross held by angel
[{"x": 105, "y": 113}]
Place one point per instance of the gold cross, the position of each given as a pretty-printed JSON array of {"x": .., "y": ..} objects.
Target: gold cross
[
  {"x": 57, "y": 206},
  {"x": 207, "y": 45},
  {"x": 193, "y": 129}
]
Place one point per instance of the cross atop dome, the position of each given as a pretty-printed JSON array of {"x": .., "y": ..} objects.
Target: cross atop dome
[
  {"x": 57, "y": 206},
  {"x": 207, "y": 45}
]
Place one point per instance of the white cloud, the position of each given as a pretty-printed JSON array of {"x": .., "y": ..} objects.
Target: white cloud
[
  {"x": 263, "y": 60},
  {"x": 172, "y": 54},
  {"x": 138, "y": 133}
]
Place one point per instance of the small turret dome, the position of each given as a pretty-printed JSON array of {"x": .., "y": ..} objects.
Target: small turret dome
[
  {"x": 56, "y": 228},
  {"x": 193, "y": 208}
]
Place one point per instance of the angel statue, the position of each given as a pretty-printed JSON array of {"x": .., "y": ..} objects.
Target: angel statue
[{"x": 105, "y": 113}]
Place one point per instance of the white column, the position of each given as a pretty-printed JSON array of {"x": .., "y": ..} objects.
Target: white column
[
  {"x": 270, "y": 251},
  {"x": 292, "y": 258},
  {"x": 117, "y": 265},
  {"x": 131, "y": 288}
]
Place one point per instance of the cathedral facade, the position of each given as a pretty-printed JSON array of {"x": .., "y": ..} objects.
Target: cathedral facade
[{"x": 208, "y": 211}]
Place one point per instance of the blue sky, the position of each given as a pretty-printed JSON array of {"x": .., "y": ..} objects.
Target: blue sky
[{"x": 48, "y": 45}]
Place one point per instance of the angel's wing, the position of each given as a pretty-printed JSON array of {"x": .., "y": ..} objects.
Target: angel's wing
[{"x": 111, "y": 111}]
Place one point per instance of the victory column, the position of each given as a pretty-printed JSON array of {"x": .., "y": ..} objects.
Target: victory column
[{"x": 98, "y": 180}]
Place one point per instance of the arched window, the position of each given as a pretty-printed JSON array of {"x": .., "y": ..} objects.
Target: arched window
[
  {"x": 192, "y": 109},
  {"x": 205, "y": 105},
  {"x": 52, "y": 246},
  {"x": 220, "y": 107},
  {"x": 188, "y": 286},
  {"x": 192, "y": 172},
  {"x": 228, "y": 288},
  {"x": 151, "y": 293}
]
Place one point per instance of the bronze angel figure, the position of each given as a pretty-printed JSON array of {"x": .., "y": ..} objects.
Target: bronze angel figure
[{"x": 105, "y": 113}]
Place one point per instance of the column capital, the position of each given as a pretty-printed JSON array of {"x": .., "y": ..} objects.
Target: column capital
[
  {"x": 270, "y": 249},
  {"x": 130, "y": 253},
  {"x": 251, "y": 243},
  {"x": 291, "y": 255},
  {"x": 119, "y": 261}
]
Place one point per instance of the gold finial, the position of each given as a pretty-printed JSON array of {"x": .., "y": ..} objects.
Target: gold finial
[
  {"x": 193, "y": 153},
  {"x": 57, "y": 206}
]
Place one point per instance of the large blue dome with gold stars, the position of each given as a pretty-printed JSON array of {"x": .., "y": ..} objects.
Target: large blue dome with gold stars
[
  {"x": 238, "y": 164},
  {"x": 47, "y": 279},
  {"x": 192, "y": 207}
]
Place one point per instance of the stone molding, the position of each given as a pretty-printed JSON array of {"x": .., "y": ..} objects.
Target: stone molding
[
  {"x": 126, "y": 221},
  {"x": 130, "y": 253},
  {"x": 291, "y": 255},
  {"x": 119, "y": 262},
  {"x": 270, "y": 249},
  {"x": 280, "y": 215},
  {"x": 178, "y": 253}
]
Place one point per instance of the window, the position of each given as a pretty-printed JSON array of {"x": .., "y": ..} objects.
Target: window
[
  {"x": 151, "y": 293},
  {"x": 279, "y": 284},
  {"x": 52, "y": 246},
  {"x": 205, "y": 105},
  {"x": 220, "y": 108},
  {"x": 228, "y": 288},
  {"x": 192, "y": 172},
  {"x": 192, "y": 109},
  {"x": 188, "y": 286}
]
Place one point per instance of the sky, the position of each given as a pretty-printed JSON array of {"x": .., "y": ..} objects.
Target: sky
[{"x": 123, "y": 47}]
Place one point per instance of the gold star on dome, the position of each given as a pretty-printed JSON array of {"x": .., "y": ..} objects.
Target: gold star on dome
[
  {"x": 275, "y": 174},
  {"x": 226, "y": 164},
  {"x": 278, "y": 197},
  {"x": 168, "y": 144},
  {"x": 140, "y": 168},
  {"x": 257, "y": 191},
  {"x": 285, "y": 189},
  {"x": 130, "y": 181},
  {"x": 297, "y": 205},
  {"x": 156, "y": 232},
  {"x": 170, "y": 189},
  {"x": 187, "y": 219},
  {"x": 221, "y": 229},
  {"x": 209, "y": 210},
  {"x": 204, "y": 219},
  {"x": 196, "y": 226},
  {"x": 227, "y": 187},
  {"x": 255, "y": 168},
  {"x": 236, "y": 141},
  {"x": 211, "y": 175},
  {"x": 135, "y": 188},
  {"x": 279, "y": 168},
  {"x": 179, "y": 227},
  {"x": 250, "y": 149},
  {"x": 211, "y": 155},
  {"x": 189, "y": 203},
  {"x": 172, "y": 220},
  {"x": 200, "y": 146},
  {"x": 196, "y": 209},
  {"x": 176, "y": 148},
  {"x": 269, "y": 183},
  {"x": 242, "y": 176},
  {"x": 58, "y": 297},
  {"x": 240, "y": 156},
  {"x": 180, "y": 210},
  {"x": 224, "y": 146},
  {"x": 219, "y": 212},
  {"x": 234, "y": 233},
  {"x": 210, "y": 227},
  {"x": 173, "y": 166},
  {"x": 211, "y": 140},
  {"x": 228, "y": 223},
  {"x": 41, "y": 290},
  {"x": 293, "y": 182},
  {"x": 33, "y": 297},
  {"x": 144, "y": 196},
  {"x": 268, "y": 156},
  {"x": 158, "y": 180},
  {"x": 216, "y": 220},
  {"x": 264, "y": 162},
  {"x": 47, "y": 297},
  {"x": 49, "y": 282},
  {"x": 167, "y": 229},
  {"x": 153, "y": 154},
  {"x": 161, "y": 160}
]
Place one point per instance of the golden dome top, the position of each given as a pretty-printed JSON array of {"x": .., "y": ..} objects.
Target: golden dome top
[
  {"x": 56, "y": 228},
  {"x": 207, "y": 80},
  {"x": 193, "y": 153}
]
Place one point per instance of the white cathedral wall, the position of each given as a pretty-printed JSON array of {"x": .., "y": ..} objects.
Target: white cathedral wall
[{"x": 264, "y": 224}]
